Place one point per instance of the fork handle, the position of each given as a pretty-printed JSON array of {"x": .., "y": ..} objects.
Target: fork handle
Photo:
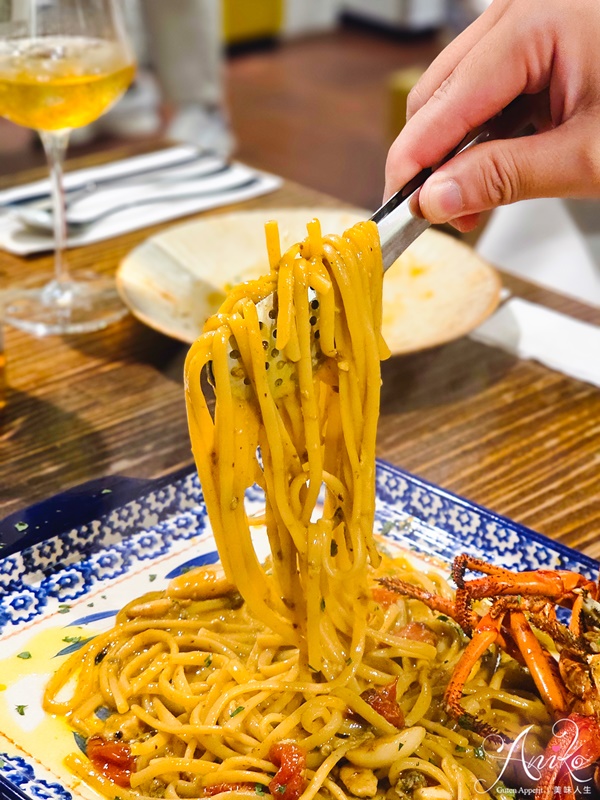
[{"x": 399, "y": 220}]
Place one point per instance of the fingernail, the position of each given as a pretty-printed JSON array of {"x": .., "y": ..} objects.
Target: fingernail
[{"x": 443, "y": 199}]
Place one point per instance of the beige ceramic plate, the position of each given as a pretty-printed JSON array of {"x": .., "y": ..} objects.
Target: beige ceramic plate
[{"x": 439, "y": 290}]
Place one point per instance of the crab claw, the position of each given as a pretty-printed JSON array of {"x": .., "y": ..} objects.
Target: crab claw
[{"x": 570, "y": 757}]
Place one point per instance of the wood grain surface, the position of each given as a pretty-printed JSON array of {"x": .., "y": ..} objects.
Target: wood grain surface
[{"x": 506, "y": 433}]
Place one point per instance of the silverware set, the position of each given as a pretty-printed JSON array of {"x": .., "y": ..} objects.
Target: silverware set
[{"x": 93, "y": 201}]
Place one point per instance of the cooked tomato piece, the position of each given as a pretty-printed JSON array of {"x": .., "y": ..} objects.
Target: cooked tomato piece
[
  {"x": 112, "y": 759},
  {"x": 385, "y": 597},
  {"x": 289, "y": 781},
  {"x": 418, "y": 632},
  {"x": 383, "y": 701}
]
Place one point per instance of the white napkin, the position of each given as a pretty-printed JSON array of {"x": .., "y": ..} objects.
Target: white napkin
[
  {"x": 18, "y": 239},
  {"x": 555, "y": 243},
  {"x": 532, "y": 331}
]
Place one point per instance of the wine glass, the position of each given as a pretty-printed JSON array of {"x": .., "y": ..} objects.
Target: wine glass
[{"x": 63, "y": 63}]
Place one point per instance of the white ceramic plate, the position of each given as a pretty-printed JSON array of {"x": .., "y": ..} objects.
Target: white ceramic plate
[{"x": 437, "y": 291}]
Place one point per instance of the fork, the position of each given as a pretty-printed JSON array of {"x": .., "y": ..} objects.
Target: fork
[
  {"x": 79, "y": 227},
  {"x": 399, "y": 221},
  {"x": 40, "y": 217}
]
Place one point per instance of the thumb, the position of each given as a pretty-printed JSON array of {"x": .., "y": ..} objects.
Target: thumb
[{"x": 551, "y": 164}]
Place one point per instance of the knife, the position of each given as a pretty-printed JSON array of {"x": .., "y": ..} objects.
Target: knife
[
  {"x": 104, "y": 175},
  {"x": 399, "y": 221}
]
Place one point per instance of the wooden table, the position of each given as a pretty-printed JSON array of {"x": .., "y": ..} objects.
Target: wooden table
[{"x": 506, "y": 433}]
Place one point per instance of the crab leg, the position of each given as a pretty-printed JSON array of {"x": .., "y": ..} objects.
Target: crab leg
[
  {"x": 463, "y": 562},
  {"x": 556, "y": 585},
  {"x": 559, "y": 633},
  {"x": 486, "y": 634},
  {"x": 536, "y": 659},
  {"x": 575, "y": 622},
  {"x": 465, "y": 616},
  {"x": 545, "y": 583},
  {"x": 431, "y": 600}
]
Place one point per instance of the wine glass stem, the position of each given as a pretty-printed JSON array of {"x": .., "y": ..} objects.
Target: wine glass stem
[{"x": 55, "y": 145}]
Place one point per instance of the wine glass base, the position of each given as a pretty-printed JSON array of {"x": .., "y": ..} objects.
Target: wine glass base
[{"x": 81, "y": 306}]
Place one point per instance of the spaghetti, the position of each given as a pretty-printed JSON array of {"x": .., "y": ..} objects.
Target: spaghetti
[
  {"x": 296, "y": 412},
  {"x": 297, "y": 676}
]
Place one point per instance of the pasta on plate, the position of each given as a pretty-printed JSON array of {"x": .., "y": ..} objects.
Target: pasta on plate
[{"x": 297, "y": 675}]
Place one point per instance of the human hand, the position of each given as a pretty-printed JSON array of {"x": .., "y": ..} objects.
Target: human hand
[{"x": 515, "y": 47}]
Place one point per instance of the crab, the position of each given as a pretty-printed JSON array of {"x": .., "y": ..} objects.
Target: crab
[{"x": 518, "y": 602}]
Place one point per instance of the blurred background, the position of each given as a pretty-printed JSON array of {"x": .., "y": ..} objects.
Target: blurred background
[{"x": 315, "y": 91}]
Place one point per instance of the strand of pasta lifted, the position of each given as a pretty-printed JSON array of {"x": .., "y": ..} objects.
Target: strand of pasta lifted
[{"x": 297, "y": 376}]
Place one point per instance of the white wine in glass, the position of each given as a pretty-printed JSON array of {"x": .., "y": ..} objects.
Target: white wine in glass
[{"x": 63, "y": 63}]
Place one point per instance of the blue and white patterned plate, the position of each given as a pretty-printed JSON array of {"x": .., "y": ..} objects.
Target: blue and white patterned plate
[{"x": 70, "y": 563}]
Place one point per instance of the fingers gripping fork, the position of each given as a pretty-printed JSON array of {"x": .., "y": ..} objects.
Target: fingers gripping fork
[
  {"x": 399, "y": 219},
  {"x": 399, "y": 223}
]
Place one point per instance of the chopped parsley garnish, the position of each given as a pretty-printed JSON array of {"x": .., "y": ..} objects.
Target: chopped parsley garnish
[
  {"x": 64, "y": 608},
  {"x": 465, "y": 722},
  {"x": 152, "y": 578},
  {"x": 20, "y": 710},
  {"x": 24, "y": 655},
  {"x": 100, "y": 656},
  {"x": 106, "y": 491},
  {"x": 443, "y": 618},
  {"x": 333, "y": 548},
  {"x": 21, "y": 526},
  {"x": 281, "y": 789},
  {"x": 322, "y": 604},
  {"x": 460, "y": 749},
  {"x": 259, "y": 789},
  {"x": 479, "y": 752},
  {"x": 236, "y": 711},
  {"x": 72, "y": 639},
  {"x": 208, "y": 660}
]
